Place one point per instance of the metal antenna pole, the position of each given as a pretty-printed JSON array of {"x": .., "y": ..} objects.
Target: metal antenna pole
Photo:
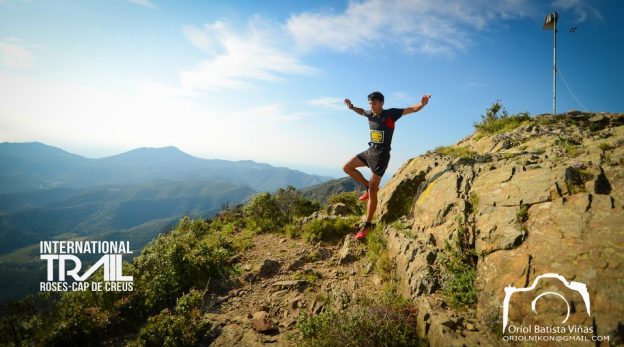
[
  {"x": 551, "y": 23},
  {"x": 555, "y": 67}
]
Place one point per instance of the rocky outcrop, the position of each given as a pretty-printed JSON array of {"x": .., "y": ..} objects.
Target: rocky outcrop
[{"x": 546, "y": 197}]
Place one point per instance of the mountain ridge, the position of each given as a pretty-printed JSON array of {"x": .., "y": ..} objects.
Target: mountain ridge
[{"x": 35, "y": 166}]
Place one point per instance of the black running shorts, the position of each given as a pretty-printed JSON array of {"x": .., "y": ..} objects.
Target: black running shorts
[{"x": 376, "y": 159}]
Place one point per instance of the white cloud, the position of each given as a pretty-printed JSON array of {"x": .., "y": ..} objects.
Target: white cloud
[
  {"x": 260, "y": 53},
  {"x": 329, "y": 103},
  {"x": 15, "y": 55},
  {"x": 270, "y": 51},
  {"x": 582, "y": 9},
  {"x": 144, "y": 3},
  {"x": 429, "y": 26}
]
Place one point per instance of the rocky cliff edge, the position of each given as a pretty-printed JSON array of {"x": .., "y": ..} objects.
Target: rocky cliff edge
[{"x": 502, "y": 209}]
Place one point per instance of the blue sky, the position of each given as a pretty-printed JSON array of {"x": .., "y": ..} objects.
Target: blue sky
[{"x": 265, "y": 80}]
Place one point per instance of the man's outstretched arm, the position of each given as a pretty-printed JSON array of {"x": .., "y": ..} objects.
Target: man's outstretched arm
[
  {"x": 415, "y": 108},
  {"x": 357, "y": 110}
]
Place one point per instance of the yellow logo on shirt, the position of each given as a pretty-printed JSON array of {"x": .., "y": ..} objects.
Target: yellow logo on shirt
[{"x": 377, "y": 136}]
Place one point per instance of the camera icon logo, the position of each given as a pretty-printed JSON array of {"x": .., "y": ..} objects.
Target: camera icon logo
[{"x": 579, "y": 287}]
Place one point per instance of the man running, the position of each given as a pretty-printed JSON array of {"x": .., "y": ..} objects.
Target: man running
[{"x": 377, "y": 156}]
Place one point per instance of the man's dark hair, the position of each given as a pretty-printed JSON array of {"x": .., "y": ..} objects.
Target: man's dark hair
[{"x": 376, "y": 96}]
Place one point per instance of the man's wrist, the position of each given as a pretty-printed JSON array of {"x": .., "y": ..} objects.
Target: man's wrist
[{"x": 351, "y": 106}]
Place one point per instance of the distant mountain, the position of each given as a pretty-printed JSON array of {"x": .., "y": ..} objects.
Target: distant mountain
[
  {"x": 321, "y": 192},
  {"x": 27, "y": 167},
  {"x": 114, "y": 208},
  {"x": 47, "y": 193}
]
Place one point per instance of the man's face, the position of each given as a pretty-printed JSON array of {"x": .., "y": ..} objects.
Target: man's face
[{"x": 376, "y": 106}]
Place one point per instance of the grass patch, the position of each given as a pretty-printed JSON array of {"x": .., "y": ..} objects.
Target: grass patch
[
  {"x": 504, "y": 124},
  {"x": 389, "y": 321},
  {"x": 572, "y": 151},
  {"x": 454, "y": 151},
  {"x": 403, "y": 229},
  {"x": 474, "y": 201},
  {"x": 575, "y": 179},
  {"x": 605, "y": 147},
  {"x": 523, "y": 213},
  {"x": 496, "y": 120},
  {"x": 459, "y": 269},
  {"x": 569, "y": 146},
  {"x": 324, "y": 229},
  {"x": 378, "y": 255},
  {"x": 310, "y": 276}
]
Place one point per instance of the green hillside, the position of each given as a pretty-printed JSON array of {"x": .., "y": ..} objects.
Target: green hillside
[
  {"x": 322, "y": 192},
  {"x": 183, "y": 279}
]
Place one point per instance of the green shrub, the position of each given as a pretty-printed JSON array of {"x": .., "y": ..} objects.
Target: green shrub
[
  {"x": 25, "y": 321},
  {"x": 385, "y": 323},
  {"x": 497, "y": 120},
  {"x": 293, "y": 204},
  {"x": 230, "y": 219},
  {"x": 182, "y": 327},
  {"x": 177, "y": 261},
  {"x": 292, "y": 230},
  {"x": 263, "y": 214},
  {"x": 78, "y": 323},
  {"x": 172, "y": 264},
  {"x": 350, "y": 199},
  {"x": 324, "y": 229},
  {"x": 266, "y": 212}
]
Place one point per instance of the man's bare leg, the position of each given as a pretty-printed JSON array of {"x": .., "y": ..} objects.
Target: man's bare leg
[
  {"x": 372, "y": 197},
  {"x": 350, "y": 168}
]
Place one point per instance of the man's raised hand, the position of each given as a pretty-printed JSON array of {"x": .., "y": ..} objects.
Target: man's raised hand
[
  {"x": 348, "y": 103},
  {"x": 425, "y": 99}
]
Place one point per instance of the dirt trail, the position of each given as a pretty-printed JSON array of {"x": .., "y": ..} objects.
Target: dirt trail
[{"x": 285, "y": 277}]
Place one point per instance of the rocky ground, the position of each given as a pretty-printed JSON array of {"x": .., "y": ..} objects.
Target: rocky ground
[
  {"x": 546, "y": 197},
  {"x": 283, "y": 277}
]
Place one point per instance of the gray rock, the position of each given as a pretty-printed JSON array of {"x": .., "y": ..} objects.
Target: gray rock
[
  {"x": 339, "y": 209},
  {"x": 269, "y": 267},
  {"x": 262, "y": 323},
  {"x": 347, "y": 253},
  {"x": 289, "y": 284}
]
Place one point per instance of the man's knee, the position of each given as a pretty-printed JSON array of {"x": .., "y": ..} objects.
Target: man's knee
[
  {"x": 374, "y": 184},
  {"x": 347, "y": 168},
  {"x": 352, "y": 165}
]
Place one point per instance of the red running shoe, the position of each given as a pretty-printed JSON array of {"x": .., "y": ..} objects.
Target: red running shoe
[
  {"x": 361, "y": 235},
  {"x": 364, "y": 196}
]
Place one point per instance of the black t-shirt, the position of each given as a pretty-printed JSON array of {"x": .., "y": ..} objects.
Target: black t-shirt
[{"x": 382, "y": 126}]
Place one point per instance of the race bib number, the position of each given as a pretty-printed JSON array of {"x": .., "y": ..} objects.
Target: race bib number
[{"x": 377, "y": 136}]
